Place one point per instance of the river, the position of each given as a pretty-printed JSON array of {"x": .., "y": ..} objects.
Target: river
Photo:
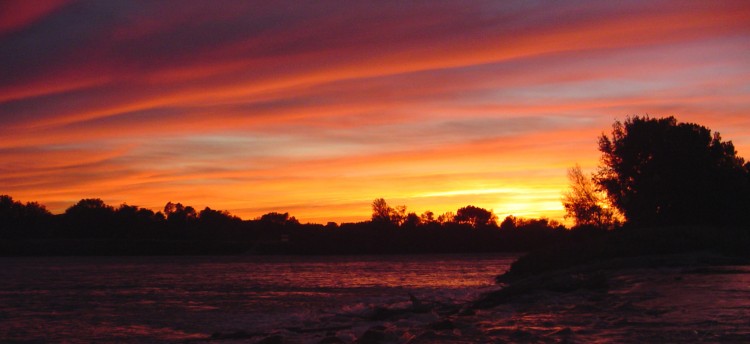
[
  {"x": 342, "y": 299},
  {"x": 167, "y": 299}
]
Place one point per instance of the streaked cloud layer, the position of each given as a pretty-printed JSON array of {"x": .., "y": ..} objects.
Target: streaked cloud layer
[{"x": 318, "y": 108}]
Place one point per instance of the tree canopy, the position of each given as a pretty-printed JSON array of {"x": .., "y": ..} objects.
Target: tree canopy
[
  {"x": 475, "y": 216},
  {"x": 658, "y": 171}
]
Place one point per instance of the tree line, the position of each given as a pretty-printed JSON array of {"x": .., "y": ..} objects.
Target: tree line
[{"x": 93, "y": 227}]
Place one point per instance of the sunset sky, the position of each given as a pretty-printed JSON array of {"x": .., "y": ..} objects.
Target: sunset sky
[{"x": 317, "y": 108}]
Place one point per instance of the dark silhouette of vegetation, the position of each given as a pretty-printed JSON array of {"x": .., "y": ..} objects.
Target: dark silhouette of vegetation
[
  {"x": 475, "y": 217},
  {"x": 384, "y": 214},
  {"x": 279, "y": 219},
  {"x": 19, "y": 220},
  {"x": 584, "y": 203},
  {"x": 663, "y": 172},
  {"x": 680, "y": 187},
  {"x": 91, "y": 227}
]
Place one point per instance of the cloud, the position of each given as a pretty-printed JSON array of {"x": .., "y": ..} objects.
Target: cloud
[
  {"x": 254, "y": 106},
  {"x": 15, "y": 16}
]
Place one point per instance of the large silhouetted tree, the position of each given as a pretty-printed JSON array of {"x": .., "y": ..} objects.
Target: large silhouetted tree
[{"x": 660, "y": 171}]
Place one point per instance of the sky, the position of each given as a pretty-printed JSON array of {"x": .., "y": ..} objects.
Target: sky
[{"x": 317, "y": 108}]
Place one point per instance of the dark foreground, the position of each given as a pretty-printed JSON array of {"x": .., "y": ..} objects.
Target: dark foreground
[
  {"x": 365, "y": 299},
  {"x": 684, "y": 298}
]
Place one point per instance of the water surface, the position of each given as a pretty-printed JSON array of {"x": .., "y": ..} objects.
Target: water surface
[
  {"x": 309, "y": 299},
  {"x": 157, "y": 299}
]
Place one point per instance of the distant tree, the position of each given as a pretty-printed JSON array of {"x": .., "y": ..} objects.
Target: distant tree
[
  {"x": 446, "y": 217},
  {"x": 384, "y": 214},
  {"x": 427, "y": 217},
  {"x": 90, "y": 204},
  {"x": 160, "y": 217},
  {"x": 509, "y": 223},
  {"x": 8, "y": 207},
  {"x": 398, "y": 215},
  {"x": 279, "y": 218},
  {"x": 475, "y": 216},
  {"x": 381, "y": 212},
  {"x": 216, "y": 219},
  {"x": 178, "y": 210},
  {"x": 35, "y": 210},
  {"x": 660, "y": 171},
  {"x": 133, "y": 221},
  {"x": 412, "y": 220},
  {"x": 540, "y": 224},
  {"x": 179, "y": 215},
  {"x": 22, "y": 220},
  {"x": 90, "y": 217},
  {"x": 170, "y": 208},
  {"x": 584, "y": 203}
]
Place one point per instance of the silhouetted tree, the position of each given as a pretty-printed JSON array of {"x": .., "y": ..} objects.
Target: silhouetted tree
[
  {"x": 475, "y": 216},
  {"x": 540, "y": 224},
  {"x": 446, "y": 217},
  {"x": 22, "y": 220},
  {"x": 412, "y": 220},
  {"x": 179, "y": 211},
  {"x": 660, "y": 171},
  {"x": 509, "y": 223},
  {"x": 427, "y": 217},
  {"x": 215, "y": 216},
  {"x": 90, "y": 217},
  {"x": 381, "y": 212},
  {"x": 583, "y": 202},
  {"x": 279, "y": 219},
  {"x": 179, "y": 216},
  {"x": 133, "y": 221},
  {"x": 398, "y": 215}
]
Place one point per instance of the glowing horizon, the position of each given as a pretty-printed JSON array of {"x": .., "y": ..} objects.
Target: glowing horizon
[{"x": 317, "y": 109}]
